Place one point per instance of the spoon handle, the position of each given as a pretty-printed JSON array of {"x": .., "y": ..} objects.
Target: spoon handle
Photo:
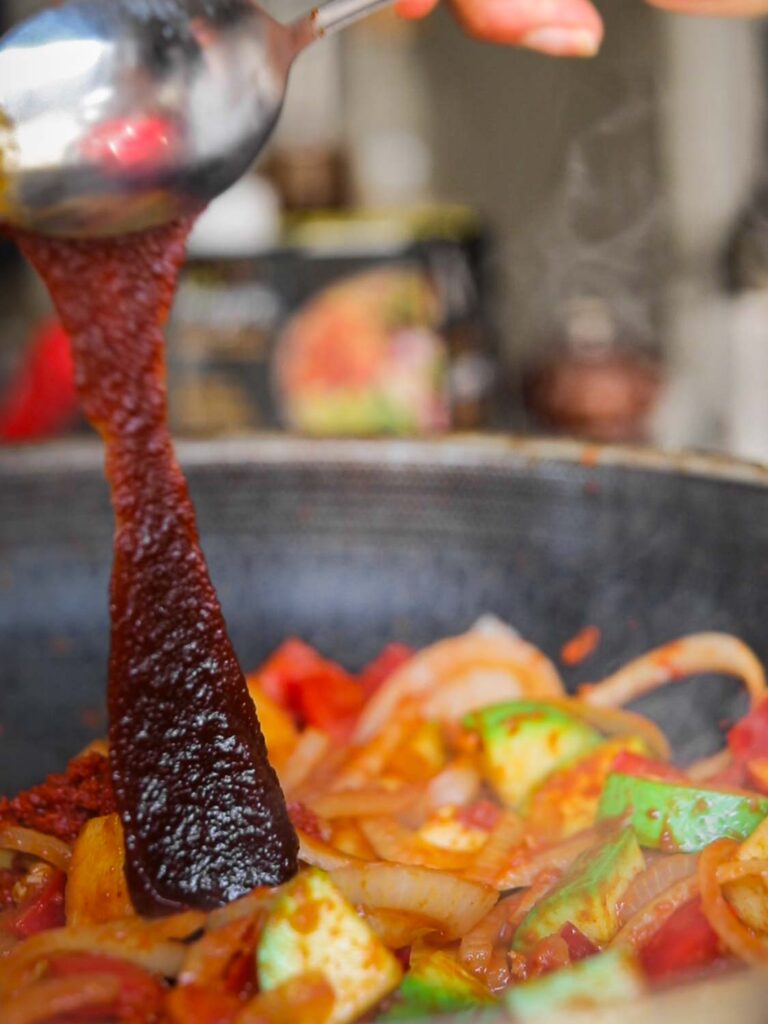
[{"x": 332, "y": 16}]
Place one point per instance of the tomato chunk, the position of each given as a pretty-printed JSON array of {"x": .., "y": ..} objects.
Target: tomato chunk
[
  {"x": 318, "y": 692},
  {"x": 684, "y": 942},
  {"x": 43, "y": 909},
  {"x": 749, "y": 736}
]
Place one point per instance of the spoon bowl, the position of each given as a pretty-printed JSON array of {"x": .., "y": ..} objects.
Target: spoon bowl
[{"x": 120, "y": 115}]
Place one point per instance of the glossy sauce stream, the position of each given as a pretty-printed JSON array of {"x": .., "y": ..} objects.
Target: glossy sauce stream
[{"x": 204, "y": 817}]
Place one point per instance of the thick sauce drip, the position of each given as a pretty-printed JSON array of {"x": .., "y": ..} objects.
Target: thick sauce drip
[{"x": 205, "y": 819}]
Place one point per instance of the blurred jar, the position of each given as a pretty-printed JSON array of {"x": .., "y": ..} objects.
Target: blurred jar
[
  {"x": 225, "y": 312},
  {"x": 591, "y": 383},
  {"x": 744, "y": 411}
]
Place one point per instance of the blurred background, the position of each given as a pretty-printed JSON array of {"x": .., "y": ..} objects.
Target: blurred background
[{"x": 444, "y": 235}]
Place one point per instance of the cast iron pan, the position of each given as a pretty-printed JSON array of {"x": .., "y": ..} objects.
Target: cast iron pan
[{"x": 351, "y": 545}]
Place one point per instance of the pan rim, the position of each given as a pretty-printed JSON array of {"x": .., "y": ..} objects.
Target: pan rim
[{"x": 461, "y": 451}]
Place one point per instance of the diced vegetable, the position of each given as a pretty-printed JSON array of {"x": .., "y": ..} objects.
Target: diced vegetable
[
  {"x": 684, "y": 942},
  {"x": 42, "y": 909},
  {"x": 312, "y": 928},
  {"x": 317, "y": 691},
  {"x": 749, "y": 737},
  {"x": 610, "y": 977},
  {"x": 589, "y": 895},
  {"x": 96, "y": 887},
  {"x": 523, "y": 741},
  {"x": 749, "y": 896},
  {"x": 675, "y": 817},
  {"x": 437, "y": 983},
  {"x": 566, "y": 801}
]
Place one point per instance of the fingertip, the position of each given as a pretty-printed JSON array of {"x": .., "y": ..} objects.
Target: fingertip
[{"x": 413, "y": 9}]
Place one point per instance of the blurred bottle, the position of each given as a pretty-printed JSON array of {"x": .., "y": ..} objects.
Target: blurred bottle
[
  {"x": 590, "y": 382},
  {"x": 386, "y": 115},
  {"x": 307, "y": 160},
  {"x": 744, "y": 410},
  {"x": 224, "y": 315}
]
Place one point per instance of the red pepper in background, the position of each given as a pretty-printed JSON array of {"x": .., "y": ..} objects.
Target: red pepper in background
[
  {"x": 646, "y": 768},
  {"x": 43, "y": 908},
  {"x": 749, "y": 736},
  {"x": 316, "y": 691},
  {"x": 41, "y": 398},
  {"x": 319, "y": 692},
  {"x": 382, "y": 667},
  {"x": 684, "y": 942},
  {"x": 579, "y": 946}
]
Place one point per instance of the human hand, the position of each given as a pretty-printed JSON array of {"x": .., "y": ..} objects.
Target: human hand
[{"x": 561, "y": 28}]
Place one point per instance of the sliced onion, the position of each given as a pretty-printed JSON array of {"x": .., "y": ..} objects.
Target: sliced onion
[
  {"x": 456, "y": 903},
  {"x": 208, "y": 960},
  {"x": 493, "y": 859},
  {"x": 311, "y": 747},
  {"x": 477, "y": 944},
  {"x": 365, "y": 802},
  {"x": 618, "y": 722},
  {"x": 153, "y": 945},
  {"x": 661, "y": 873},
  {"x": 736, "y": 869},
  {"x": 527, "y": 865},
  {"x": 367, "y": 760},
  {"x": 647, "y": 921},
  {"x": 456, "y": 785},
  {"x": 690, "y": 655},
  {"x": 391, "y": 841},
  {"x": 61, "y": 997},
  {"x": 255, "y": 905},
  {"x": 399, "y": 928},
  {"x": 461, "y": 662},
  {"x": 750, "y": 945},
  {"x": 36, "y": 844},
  {"x": 320, "y": 854}
]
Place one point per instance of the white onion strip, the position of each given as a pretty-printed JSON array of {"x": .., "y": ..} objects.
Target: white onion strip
[
  {"x": 456, "y": 903},
  {"x": 690, "y": 655}
]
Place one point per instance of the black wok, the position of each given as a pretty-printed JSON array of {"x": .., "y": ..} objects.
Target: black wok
[{"x": 353, "y": 544}]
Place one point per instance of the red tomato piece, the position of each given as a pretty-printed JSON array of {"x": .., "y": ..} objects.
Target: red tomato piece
[
  {"x": 383, "y": 665},
  {"x": 141, "y": 993},
  {"x": 646, "y": 768},
  {"x": 578, "y": 944},
  {"x": 749, "y": 736},
  {"x": 315, "y": 690},
  {"x": 684, "y": 942},
  {"x": 43, "y": 909}
]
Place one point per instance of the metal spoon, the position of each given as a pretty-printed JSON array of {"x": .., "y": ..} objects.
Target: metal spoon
[{"x": 117, "y": 115}]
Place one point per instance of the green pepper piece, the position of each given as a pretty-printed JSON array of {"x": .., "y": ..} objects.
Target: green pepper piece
[
  {"x": 673, "y": 817},
  {"x": 610, "y": 977},
  {"x": 523, "y": 741}
]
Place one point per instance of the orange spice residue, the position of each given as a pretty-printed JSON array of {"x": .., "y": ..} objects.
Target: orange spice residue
[{"x": 581, "y": 646}]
